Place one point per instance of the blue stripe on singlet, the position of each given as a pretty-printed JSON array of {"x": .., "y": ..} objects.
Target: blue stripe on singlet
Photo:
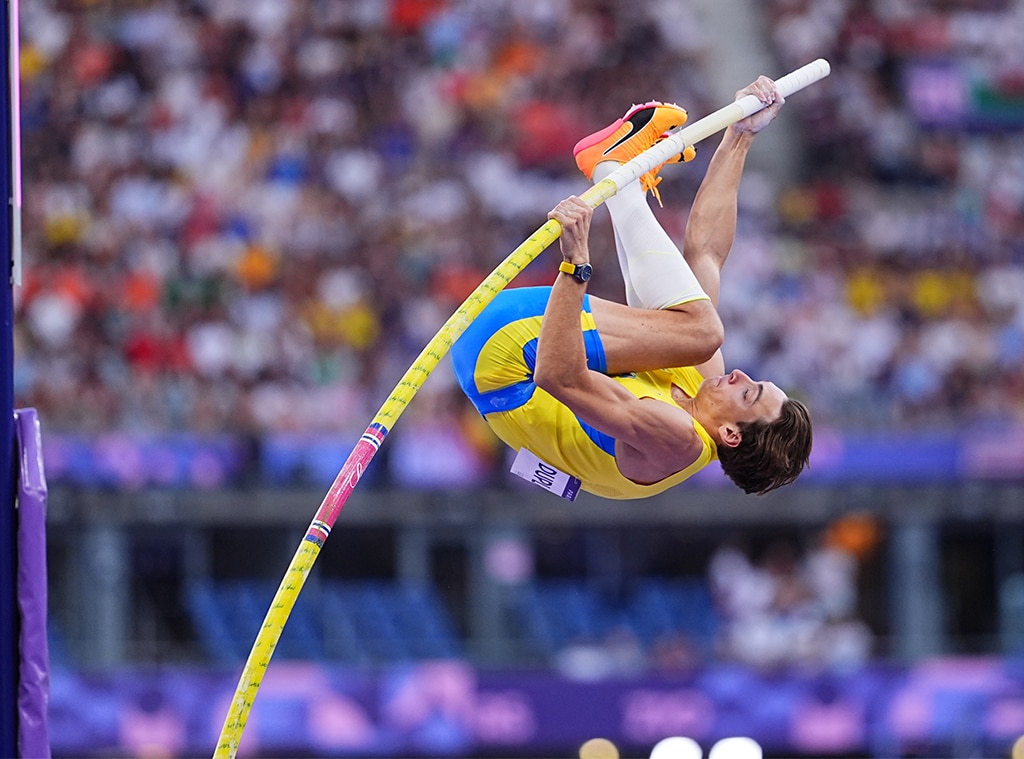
[{"x": 605, "y": 442}]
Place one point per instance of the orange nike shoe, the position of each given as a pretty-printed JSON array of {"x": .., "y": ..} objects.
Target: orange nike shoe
[{"x": 640, "y": 128}]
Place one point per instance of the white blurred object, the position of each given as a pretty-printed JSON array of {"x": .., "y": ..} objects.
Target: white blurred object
[
  {"x": 677, "y": 747},
  {"x": 736, "y": 748}
]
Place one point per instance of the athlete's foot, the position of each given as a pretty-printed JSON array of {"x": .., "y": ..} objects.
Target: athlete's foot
[{"x": 640, "y": 128}]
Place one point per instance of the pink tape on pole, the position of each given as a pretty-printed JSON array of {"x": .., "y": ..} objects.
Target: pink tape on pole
[{"x": 355, "y": 466}]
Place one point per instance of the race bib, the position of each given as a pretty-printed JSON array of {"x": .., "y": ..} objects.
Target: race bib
[{"x": 532, "y": 469}]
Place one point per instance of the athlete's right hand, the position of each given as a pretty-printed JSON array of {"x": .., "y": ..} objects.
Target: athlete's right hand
[
  {"x": 765, "y": 90},
  {"x": 575, "y": 216}
]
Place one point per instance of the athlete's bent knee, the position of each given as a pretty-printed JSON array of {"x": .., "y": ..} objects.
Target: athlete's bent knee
[{"x": 706, "y": 331}]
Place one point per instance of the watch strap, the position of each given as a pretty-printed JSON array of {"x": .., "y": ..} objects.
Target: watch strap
[{"x": 579, "y": 272}]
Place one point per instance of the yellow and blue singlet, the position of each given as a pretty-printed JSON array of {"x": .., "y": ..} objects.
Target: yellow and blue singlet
[{"x": 494, "y": 361}]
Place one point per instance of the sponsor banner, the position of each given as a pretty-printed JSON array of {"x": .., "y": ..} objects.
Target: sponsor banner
[{"x": 448, "y": 708}]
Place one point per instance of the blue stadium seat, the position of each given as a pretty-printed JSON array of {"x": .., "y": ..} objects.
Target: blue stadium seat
[
  {"x": 365, "y": 622},
  {"x": 212, "y": 623},
  {"x": 553, "y": 613},
  {"x": 382, "y": 621},
  {"x": 422, "y": 613}
]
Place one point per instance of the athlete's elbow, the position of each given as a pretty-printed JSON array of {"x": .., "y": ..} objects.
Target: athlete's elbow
[
  {"x": 546, "y": 379},
  {"x": 552, "y": 379}
]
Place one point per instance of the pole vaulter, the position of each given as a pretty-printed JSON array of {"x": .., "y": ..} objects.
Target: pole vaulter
[{"x": 368, "y": 445}]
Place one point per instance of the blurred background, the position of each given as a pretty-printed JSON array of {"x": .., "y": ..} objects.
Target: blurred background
[{"x": 244, "y": 219}]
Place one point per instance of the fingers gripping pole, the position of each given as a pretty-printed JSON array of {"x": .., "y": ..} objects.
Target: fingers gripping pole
[{"x": 368, "y": 445}]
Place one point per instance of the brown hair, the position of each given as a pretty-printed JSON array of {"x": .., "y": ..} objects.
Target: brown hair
[{"x": 770, "y": 454}]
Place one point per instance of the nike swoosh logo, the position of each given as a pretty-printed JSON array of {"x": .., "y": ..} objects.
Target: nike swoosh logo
[{"x": 636, "y": 122}]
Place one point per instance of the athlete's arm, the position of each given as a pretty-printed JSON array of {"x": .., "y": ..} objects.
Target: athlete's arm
[
  {"x": 711, "y": 226},
  {"x": 652, "y": 427}
]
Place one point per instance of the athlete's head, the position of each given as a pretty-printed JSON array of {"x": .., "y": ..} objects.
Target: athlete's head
[
  {"x": 764, "y": 437},
  {"x": 771, "y": 453}
]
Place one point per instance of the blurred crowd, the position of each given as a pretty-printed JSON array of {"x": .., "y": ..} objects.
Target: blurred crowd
[
  {"x": 790, "y": 604},
  {"x": 252, "y": 215},
  {"x": 902, "y": 303}
]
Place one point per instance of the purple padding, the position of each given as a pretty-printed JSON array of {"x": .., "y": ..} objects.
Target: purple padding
[{"x": 34, "y": 677}]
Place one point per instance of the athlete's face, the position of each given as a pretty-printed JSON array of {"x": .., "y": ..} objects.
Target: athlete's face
[{"x": 734, "y": 398}]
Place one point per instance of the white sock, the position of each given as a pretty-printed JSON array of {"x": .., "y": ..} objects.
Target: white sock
[{"x": 653, "y": 268}]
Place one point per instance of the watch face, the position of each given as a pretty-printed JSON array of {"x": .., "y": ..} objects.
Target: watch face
[{"x": 583, "y": 272}]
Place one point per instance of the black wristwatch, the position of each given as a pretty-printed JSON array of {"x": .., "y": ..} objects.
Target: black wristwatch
[{"x": 579, "y": 272}]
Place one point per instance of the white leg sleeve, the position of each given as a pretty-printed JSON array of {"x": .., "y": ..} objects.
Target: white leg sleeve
[
  {"x": 632, "y": 299},
  {"x": 653, "y": 268}
]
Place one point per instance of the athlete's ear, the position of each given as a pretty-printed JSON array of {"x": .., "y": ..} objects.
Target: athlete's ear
[{"x": 730, "y": 435}]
